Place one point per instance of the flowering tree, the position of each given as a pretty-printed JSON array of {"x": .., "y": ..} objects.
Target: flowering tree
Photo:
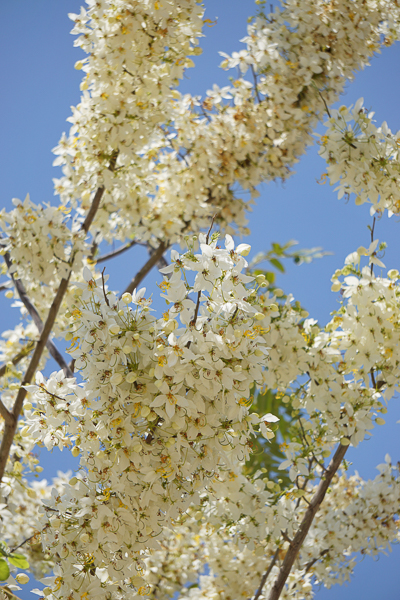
[{"x": 163, "y": 410}]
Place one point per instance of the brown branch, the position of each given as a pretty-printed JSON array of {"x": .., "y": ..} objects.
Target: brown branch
[
  {"x": 196, "y": 311},
  {"x": 154, "y": 258},
  {"x": 255, "y": 83},
  {"x": 18, "y": 357},
  {"x": 266, "y": 575},
  {"x": 6, "y": 414},
  {"x": 104, "y": 287},
  {"x": 93, "y": 209},
  {"x": 10, "y": 428},
  {"x": 8, "y": 593},
  {"x": 19, "y": 286},
  {"x": 98, "y": 196},
  {"x": 115, "y": 252},
  {"x": 314, "y": 560},
  {"x": 306, "y": 523},
  {"x": 4, "y": 287},
  {"x": 25, "y": 541}
]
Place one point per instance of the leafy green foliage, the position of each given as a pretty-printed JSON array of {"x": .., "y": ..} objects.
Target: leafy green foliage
[
  {"x": 267, "y": 455},
  {"x": 15, "y": 559},
  {"x": 278, "y": 253},
  {"x": 4, "y": 569}
]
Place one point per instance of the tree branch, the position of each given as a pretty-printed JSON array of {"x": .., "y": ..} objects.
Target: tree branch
[
  {"x": 154, "y": 258},
  {"x": 6, "y": 414},
  {"x": 306, "y": 523},
  {"x": 98, "y": 196},
  {"x": 8, "y": 593},
  {"x": 26, "y": 540},
  {"x": 19, "y": 286},
  {"x": 115, "y": 252},
  {"x": 266, "y": 575},
  {"x": 10, "y": 428},
  {"x": 18, "y": 357},
  {"x": 314, "y": 560}
]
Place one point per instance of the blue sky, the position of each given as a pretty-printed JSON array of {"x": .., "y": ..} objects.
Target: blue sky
[{"x": 39, "y": 84}]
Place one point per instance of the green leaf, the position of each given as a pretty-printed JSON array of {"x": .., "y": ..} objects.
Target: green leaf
[
  {"x": 270, "y": 276},
  {"x": 277, "y": 264},
  {"x": 18, "y": 560},
  {"x": 4, "y": 569}
]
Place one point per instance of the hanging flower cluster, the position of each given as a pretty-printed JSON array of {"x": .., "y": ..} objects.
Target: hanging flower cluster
[
  {"x": 357, "y": 516},
  {"x": 362, "y": 158},
  {"x": 161, "y": 419},
  {"x": 168, "y": 161},
  {"x": 39, "y": 241},
  {"x": 163, "y": 410}
]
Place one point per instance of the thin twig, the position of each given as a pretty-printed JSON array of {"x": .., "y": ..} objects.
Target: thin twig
[
  {"x": 310, "y": 450},
  {"x": 286, "y": 537},
  {"x": 18, "y": 357},
  {"x": 196, "y": 311},
  {"x": 314, "y": 560},
  {"x": 25, "y": 541},
  {"x": 255, "y": 83},
  {"x": 154, "y": 258},
  {"x": 306, "y": 523},
  {"x": 211, "y": 226},
  {"x": 266, "y": 575},
  {"x": 326, "y": 106},
  {"x": 115, "y": 252},
  {"x": 372, "y": 239},
  {"x": 104, "y": 287},
  {"x": 4, "y": 287}
]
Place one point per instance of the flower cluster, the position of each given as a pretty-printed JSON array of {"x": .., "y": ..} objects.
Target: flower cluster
[
  {"x": 167, "y": 161},
  {"x": 162, "y": 414},
  {"x": 357, "y": 516},
  {"x": 39, "y": 242},
  {"x": 362, "y": 158}
]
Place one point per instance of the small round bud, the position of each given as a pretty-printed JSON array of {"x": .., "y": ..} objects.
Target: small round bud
[
  {"x": 145, "y": 411},
  {"x": 22, "y": 578},
  {"x": 259, "y": 316},
  {"x": 126, "y": 298}
]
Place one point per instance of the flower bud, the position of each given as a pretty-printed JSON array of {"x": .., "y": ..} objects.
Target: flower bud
[
  {"x": 243, "y": 249},
  {"x": 22, "y": 578},
  {"x": 126, "y": 298},
  {"x": 259, "y": 316}
]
